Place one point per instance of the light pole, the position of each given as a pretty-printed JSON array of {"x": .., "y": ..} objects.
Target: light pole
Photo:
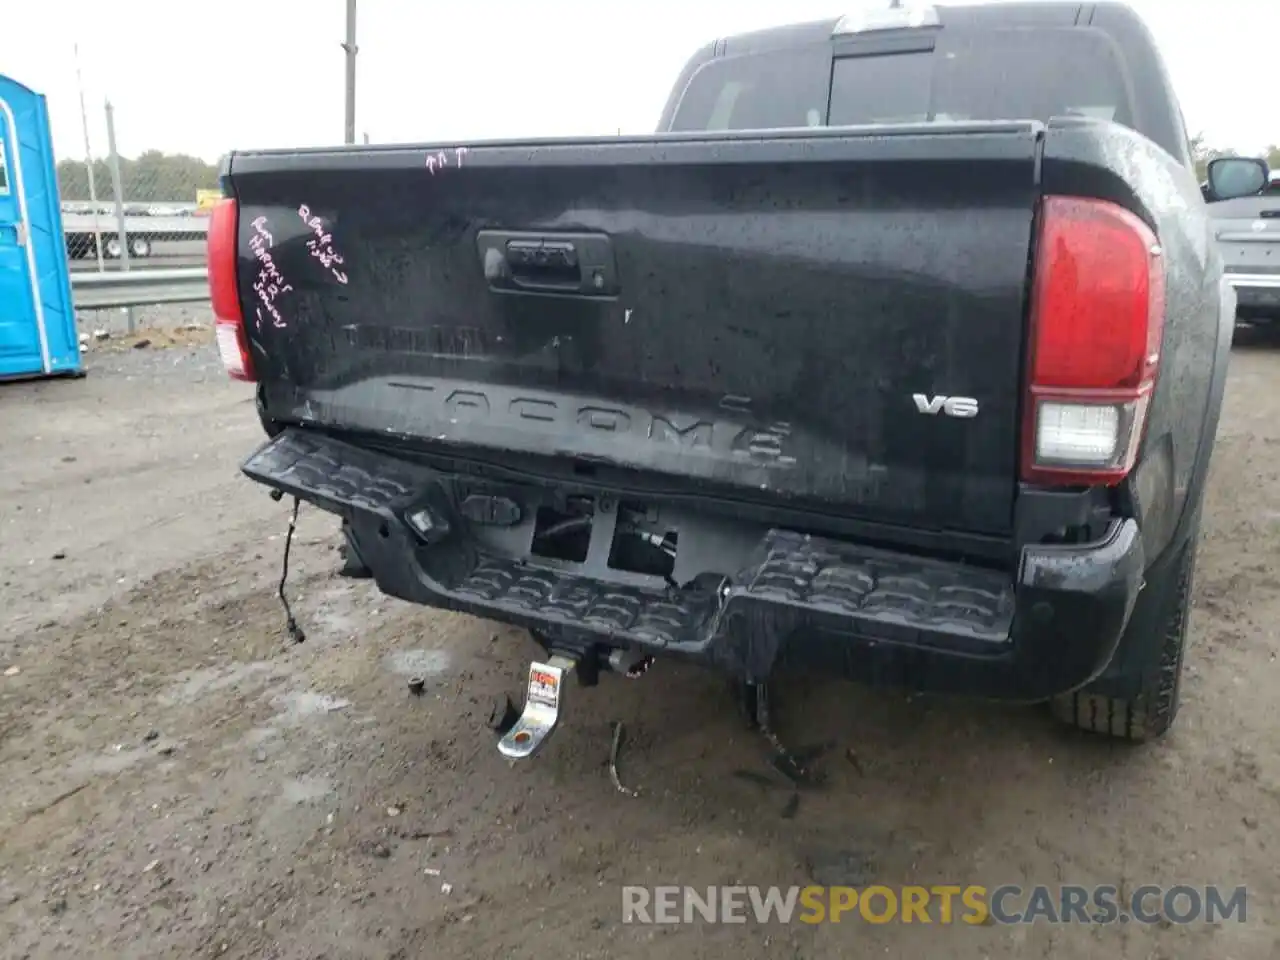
[
  {"x": 88, "y": 161},
  {"x": 350, "y": 48}
]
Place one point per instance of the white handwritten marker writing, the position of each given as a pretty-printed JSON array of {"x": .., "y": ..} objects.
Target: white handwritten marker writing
[
  {"x": 270, "y": 283},
  {"x": 440, "y": 159},
  {"x": 321, "y": 245}
]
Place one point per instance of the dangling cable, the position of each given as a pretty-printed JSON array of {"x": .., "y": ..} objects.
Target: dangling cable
[{"x": 295, "y": 631}]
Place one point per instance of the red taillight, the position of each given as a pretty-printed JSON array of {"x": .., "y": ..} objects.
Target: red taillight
[
  {"x": 233, "y": 340},
  {"x": 1097, "y": 315}
]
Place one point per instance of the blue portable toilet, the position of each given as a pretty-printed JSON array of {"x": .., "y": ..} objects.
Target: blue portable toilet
[{"x": 37, "y": 315}]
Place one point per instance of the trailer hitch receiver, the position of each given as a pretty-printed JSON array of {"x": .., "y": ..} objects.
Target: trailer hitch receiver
[{"x": 543, "y": 697}]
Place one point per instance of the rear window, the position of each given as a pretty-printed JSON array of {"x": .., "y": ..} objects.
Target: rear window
[
  {"x": 783, "y": 88},
  {"x": 1012, "y": 74},
  {"x": 1000, "y": 75}
]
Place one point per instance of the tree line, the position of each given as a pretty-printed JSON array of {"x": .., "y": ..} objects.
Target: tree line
[
  {"x": 1202, "y": 152},
  {"x": 154, "y": 176}
]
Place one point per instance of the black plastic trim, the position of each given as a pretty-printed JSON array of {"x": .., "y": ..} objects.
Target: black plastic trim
[{"x": 798, "y": 601}]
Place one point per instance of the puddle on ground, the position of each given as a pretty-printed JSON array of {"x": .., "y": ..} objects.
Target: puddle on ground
[
  {"x": 294, "y": 707},
  {"x": 417, "y": 663},
  {"x": 112, "y": 761},
  {"x": 259, "y": 735},
  {"x": 299, "y": 790},
  {"x": 342, "y": 610},
  {"x": 299, "y": 704},
  {"x": 194, "y": 684},
  {"x": 282, "y": 811}
]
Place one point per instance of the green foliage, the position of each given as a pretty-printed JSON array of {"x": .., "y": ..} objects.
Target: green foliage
[
  {"x": 1202, "y": 152},
  {"x": 154, "y": 177}
]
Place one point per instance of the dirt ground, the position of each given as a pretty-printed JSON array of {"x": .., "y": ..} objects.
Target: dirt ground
[{"x": 180, "y": 781}]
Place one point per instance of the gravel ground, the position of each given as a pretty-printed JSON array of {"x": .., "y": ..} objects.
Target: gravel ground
[
  {"x": 182, "y": 782},
  {"x": 163, "y": 317}
]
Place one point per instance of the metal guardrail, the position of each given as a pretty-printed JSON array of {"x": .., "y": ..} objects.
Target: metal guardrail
[
  {"x": 135, "y": 288},
  {"x": 159, "y": 228}
]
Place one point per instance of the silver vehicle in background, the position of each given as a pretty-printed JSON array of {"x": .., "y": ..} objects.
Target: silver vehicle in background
[{"x": 1248, "y": 233}]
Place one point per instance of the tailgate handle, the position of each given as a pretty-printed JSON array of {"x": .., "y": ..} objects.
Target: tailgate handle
[
  {"x": 571, "y": 265},
  {"x": 545, "y": 264}
]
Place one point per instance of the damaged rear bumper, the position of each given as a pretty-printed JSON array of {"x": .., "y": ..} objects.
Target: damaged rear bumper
[{"x": 790, "y": 601}]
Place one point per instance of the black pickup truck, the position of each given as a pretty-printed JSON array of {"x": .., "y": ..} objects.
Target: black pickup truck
[{"x": 897, "y": 354}]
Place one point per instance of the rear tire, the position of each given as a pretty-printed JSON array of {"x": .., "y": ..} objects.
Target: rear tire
[{"x": 1150, "y": 714}]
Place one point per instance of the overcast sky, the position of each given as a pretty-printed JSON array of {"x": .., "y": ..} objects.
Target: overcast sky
[{"x": 206, "y": 78}]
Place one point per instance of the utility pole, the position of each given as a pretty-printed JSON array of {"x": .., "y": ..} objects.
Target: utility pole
[
  {"x": 350, "y": 48},
  {"x": 117, "y": 188},
  {"x": 88, "y": 161}
]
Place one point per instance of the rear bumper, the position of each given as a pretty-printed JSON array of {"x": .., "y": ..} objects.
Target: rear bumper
[
  {"x": 795, "y": 602},
  {"x": 1256, "y": 292}
]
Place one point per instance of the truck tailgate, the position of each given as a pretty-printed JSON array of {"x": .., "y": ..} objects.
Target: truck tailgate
[
  {"x": 832, "y": 318},
  {"x": 1248, "y": 233}
]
